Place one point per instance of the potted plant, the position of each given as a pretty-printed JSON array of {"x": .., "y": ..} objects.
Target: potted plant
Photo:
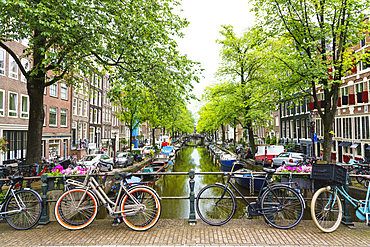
[
  {"x": 291, "y": 172},
  {"x": 58, "y": 183}
]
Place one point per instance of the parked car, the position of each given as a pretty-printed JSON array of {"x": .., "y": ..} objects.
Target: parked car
[
  {"x": 265, "y": 153},
  {"x": 92, "y": 159},
  {"x": 124, "y": 159},
  {"x": 287, "y": 158},
  {"x": 146, "y": 150}
]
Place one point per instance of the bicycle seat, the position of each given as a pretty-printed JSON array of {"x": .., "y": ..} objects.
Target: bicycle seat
[
  {"x": 270, "y": 171},
  {"x": 124, "y": 175}
]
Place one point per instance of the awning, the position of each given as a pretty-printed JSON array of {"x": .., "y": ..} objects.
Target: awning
[
  {"x": 344, "y": 144},
  {"x": 320, "y": 141},
  {"x": 354, "y": 145}
]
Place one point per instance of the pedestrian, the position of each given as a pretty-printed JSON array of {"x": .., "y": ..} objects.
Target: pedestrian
[{"x": 321, "y": 155}]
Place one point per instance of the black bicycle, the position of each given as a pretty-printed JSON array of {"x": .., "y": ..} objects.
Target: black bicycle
[
  {"x": 280, "y": 205},
  {"x": 20, "y": 207}
]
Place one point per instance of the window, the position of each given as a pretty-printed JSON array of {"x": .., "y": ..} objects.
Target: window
[
  {"x": 13, "y": 68},
  {"x": 99, "y": 116},
  {"x": 359, "y": 87},
  {"x": 103, "y": 114},
  {"x": 85, "y": 108},
  {"x": 63, "y": 117},
  {"x": 344, "y": 91},
  {"x": 2, "y": 62},
  {"x": 54, "y": 90},
  {"x": 95, "y": 116},
  {"x": 25, "y": 106},
  {"x": 52, "y": 116},
  {"x": 13, "y": 105},
  {"x": 80, "y": 107},
  {"x": 74, "y": 106},
  {"x": 26, "y": 66},
  {"x": 64, "y": 91},
  {"x": 2, "y": 102},
  {"x": 363, "y": 42},
  {"x": 85, "y": 130},
  {"x": 44, "y": 115},
  {"x": 91, "y": 115}
]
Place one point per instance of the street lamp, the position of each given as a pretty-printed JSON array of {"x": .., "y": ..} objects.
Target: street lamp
[{"x": 312, "y": 118}]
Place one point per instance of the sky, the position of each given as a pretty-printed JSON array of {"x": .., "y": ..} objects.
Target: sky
[{"x": 199, "y": 43}]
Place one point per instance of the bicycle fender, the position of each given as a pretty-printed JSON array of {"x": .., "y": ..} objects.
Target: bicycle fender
[{"x": 147, "y": 187}]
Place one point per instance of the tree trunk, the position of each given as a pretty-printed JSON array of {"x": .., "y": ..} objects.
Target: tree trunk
[
  {"x": 234, "y": 131},
  {"x": 251, "y": 139},
  {"x": 153, "y": 137},
  {"x": 223, "y": 132},
  {"x": 35, "y": 88},
  {"x": 131, "y": 138}
]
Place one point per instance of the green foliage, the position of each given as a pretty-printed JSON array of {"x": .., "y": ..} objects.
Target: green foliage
[
  {"x": 268, "y": 139},
  {"x": 289, "y": 145},
  {"x": 2, "y": 194},
  {"x": 231, "y": 148},
  {"x": 273, "y": 140}
]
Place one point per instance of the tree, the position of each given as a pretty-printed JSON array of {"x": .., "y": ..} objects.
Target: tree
[
  {"x": 70, "y": 37},
  {"x": 316, "y": 52}
]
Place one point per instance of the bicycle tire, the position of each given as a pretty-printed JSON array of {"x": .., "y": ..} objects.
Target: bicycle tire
[
  {"x": 149, "y": 212},
  {"x": 73, "y": 218},
  {"x": 326, "y": 211},
  {"x": 362, "y": 171},
  {"x": 207, "y": 209},
  {"x": 30, "y": 215},
  {"x": 282, "y": 207}
]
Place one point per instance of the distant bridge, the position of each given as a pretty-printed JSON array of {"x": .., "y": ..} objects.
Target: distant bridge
[{"x": 194, "y": 138}]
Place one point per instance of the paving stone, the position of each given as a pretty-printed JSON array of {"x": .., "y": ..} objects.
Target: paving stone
[{"x": 174, "y": 233}]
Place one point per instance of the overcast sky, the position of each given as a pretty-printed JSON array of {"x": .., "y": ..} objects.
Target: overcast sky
[{"x": 199, "y": 43}]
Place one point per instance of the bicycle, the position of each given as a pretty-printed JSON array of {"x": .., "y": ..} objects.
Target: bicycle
[
  {"x": 280, "y": 205},
  {"x": 327, "y": 209},
  {"x": 21, "y": 208},
  {"x": 137, "y": 206}
]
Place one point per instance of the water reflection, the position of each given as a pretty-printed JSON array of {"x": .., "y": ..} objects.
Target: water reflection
[{"x": 178, "y": 185}]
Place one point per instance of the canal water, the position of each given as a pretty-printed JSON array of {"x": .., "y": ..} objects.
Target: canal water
[{"x": 178, "y": 185}]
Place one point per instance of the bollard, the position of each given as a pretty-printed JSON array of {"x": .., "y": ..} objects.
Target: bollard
[
  {"x": 44, "y": 216},
  {"x": 116, "y": 175},
  {"x": 192, "y": 219},
  {"x": 347, "y": 219}
]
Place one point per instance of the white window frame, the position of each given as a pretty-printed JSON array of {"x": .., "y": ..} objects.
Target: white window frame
[
  {"x": 66, "y": 115},
  {"x": 56, "y": 116},
  {"x": 26, "y": 66},
  {"x": 74, "y": 107},
  {"x": 44, "y": 124},
  {"x": 80, "y": 105},
  {"x": 344, "y": 91},
  {"x": 2, "y": 69},
  {"x": 85, "y": 108},
  {"x": 2, "y": 104},
  {"x": 28, "y": 106},
  {"x": 56, "y": 90},
  {"x": 16, "y": 105},
  {"x": 64, "y": 91},
  {"x": 95, "y": 116},
  {"x": 13, "y": 75}
]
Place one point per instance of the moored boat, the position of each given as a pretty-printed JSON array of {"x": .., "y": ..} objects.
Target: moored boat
[
  {"x": 248, "y": 180},
  {"x": 153, "y": 167},
  {"x": 227, "y": 162}
]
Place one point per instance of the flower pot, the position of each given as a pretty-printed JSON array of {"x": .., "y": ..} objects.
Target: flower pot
[{"x": 303, "y": 183}]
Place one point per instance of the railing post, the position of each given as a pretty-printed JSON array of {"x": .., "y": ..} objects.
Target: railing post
[
  {"x": 1, "y": 182},
  {"x": 347, "y": 219},
  {"x": 44, "y": 216},
  {"x": 116, "y": 175},
  {"x": 192, "y": 219}
]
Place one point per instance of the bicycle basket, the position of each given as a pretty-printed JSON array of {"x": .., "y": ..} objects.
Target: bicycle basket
[{"x": 332, "y": 173}]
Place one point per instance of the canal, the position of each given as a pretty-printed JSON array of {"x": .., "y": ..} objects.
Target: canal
[{"x": 178, "y": 185}]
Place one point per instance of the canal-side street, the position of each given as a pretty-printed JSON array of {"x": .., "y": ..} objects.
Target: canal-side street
[{"x": 178, "y": 232}]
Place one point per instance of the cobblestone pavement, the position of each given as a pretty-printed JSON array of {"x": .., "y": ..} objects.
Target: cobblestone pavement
[{"x": 180, "y": 233}]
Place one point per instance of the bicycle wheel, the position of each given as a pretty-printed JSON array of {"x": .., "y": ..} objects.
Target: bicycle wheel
[
  {"x": 362, "y": 171},
  {"x": 142, "y": 212},
  {"x": 326, "y": 209},
  {"x": 76, "y": 209},
  {"x": 282, "y": 207},
  {"x": 213, "y": 209},
  {"x": 30, "y": 204}
]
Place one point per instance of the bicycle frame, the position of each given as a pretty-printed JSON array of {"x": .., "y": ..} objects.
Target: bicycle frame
[
  {"x": 93, "y": 185},
  {"x": 9, "y": 194},
  {"x": 356, "y": 203}
]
